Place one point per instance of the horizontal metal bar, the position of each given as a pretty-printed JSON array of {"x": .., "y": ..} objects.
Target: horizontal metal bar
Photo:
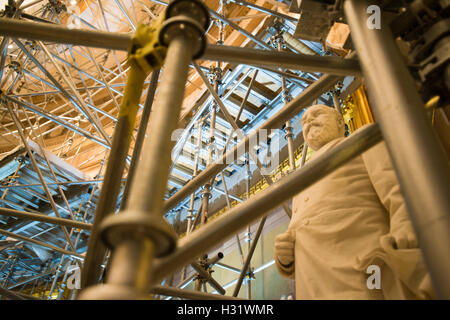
[
  {"x": 117, "y": 41},
  {"x": 45, "y": 218},
  {"x": 257, "y": 206},
  {"x": 55, "y": 33},
  {"x": 79, "y": 89},
  {"x": 297, "y": 61},
  {"x": 39, "y": 243},
  {"x": 189, "y": 294},
  {"x": 53, "y": 183}
]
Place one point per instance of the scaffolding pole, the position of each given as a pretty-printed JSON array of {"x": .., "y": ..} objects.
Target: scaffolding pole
[
  {"x": 44, "y": 218},
  {"x": 418, "y": 159},
  {"x": 140, "y": 233},
  {"x": 188, "y": 294},
  {"x": 117, "y": 41}
]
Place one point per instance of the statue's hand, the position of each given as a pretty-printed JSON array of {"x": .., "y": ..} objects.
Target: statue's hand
[
  {"x": 405, "y": 239},
  {"x": 284, "y": 248}
]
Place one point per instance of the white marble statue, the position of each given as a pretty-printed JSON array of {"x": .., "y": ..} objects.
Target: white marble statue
[{"x": 350, "y": 236}]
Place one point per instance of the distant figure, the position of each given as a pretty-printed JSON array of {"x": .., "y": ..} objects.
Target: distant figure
[{"x": 350, "y": 236}]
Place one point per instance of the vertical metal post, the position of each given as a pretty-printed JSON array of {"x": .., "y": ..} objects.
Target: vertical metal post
[
  {"x": 246, "y": 267},
  {"x": 288, "y": 126},
  {"x": 190, "y": 215},
  {"x": 217, "y": 76},
  {"x": 291, "y": 149},
  {"x": 106, "y": 205},
  {"x": 131, "y": 257},
  {"x": 418, "y": 159},
  {"x": 140, "y": 233},
  {"x": 227, "y": 198},
  {"x": 140, "y": 136},
  {"x": 196, "y": 161},
  {"x": 206, "y": 195},
  {"x": 336, "y": 102}
]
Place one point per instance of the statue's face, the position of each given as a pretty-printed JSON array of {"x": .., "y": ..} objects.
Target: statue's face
[{"x": 321, "y": 124}]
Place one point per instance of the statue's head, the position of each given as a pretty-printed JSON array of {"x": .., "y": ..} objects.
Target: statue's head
[{"x": 322, "y": 124}]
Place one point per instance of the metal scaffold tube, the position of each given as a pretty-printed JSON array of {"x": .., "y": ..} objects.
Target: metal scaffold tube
[
  {"x": 113, "y": 175},
  {"x": 140, "y": 136},
  {"x": 296, "y": 61},
  {"x": 44, "y": 218},
  {"x": 39, "y": 243},
  {"x": 117, "y": 41},
  {"x": 418, "y": 159},
  {"x": 286, "y": 98},
  {"x": 143, "y": 58},
  {"x": 189, "y": 294},
  {"x": 140, "y": 233},
  {"x": 297, "y": 44},
  {"x": 260, "y": 204},
  {"x": 52, "y": 32}
]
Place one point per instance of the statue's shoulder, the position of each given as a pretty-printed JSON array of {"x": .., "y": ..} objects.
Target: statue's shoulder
[{"x": 326, "y": 147}]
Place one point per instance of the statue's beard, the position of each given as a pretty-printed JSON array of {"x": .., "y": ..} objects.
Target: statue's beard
[{"x": 317, "y": 136}]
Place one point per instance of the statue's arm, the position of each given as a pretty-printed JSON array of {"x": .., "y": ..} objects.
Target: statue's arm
[{"x": 385, "y": 183}]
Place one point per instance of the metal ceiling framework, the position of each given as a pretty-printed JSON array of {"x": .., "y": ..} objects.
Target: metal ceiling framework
[{"x": 61, "y": 94}]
